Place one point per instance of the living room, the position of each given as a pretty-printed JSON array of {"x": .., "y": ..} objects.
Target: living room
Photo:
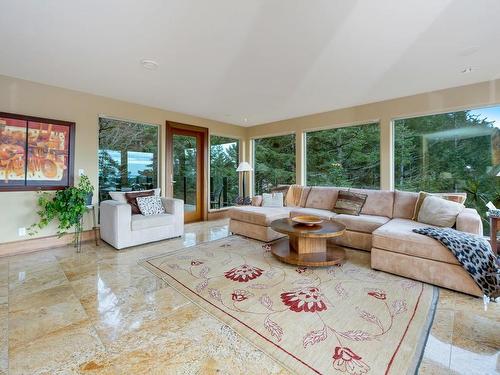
[{"x": 264, "y": 187}]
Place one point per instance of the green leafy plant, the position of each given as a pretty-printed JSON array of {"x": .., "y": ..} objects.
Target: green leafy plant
[{"x": 65, "y": 206}]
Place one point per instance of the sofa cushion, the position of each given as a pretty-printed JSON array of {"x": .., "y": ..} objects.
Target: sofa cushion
[
  {"x": 378, "y": 202},
  {"x": 362, "y": 223},
  {"x": 119, "y": 196},
  {"x": 140, "y": 222},
  {"x": 404, "y": 204},
  {"x": 297, "y": 196},
  {"x": 259, "y": 215},
  {"x": 324, "y": 214},
  {"x": 322, "y": 197},
  {"x": 272, "y": 200},
  {"x": 132, "y": 199},
  {"x": 397, "y": 235}
]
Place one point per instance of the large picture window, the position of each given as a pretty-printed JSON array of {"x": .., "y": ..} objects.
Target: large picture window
[
  {"x": 457, "y": 151},
  {"x": 274, "y": 162},
  {"x": 224, "y": 159},
  {"x": 348, "y": 156},
  {"x": 128, "y": 156}
]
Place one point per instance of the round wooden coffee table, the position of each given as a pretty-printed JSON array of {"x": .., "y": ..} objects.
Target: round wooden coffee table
[{"x": 307, "y": 245}]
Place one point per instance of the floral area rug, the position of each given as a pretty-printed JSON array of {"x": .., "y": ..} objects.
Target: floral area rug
[{"x": 331, "y": 320}]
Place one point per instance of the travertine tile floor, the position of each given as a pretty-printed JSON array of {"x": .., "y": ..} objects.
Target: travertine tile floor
[{"x": 98, "y": 312}]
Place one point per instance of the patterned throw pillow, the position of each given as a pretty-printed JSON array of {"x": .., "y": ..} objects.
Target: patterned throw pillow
[
  {"x": 150, "y": 205},
  {"x": 349, "y": 203},
  {"x": 454, "y": 197},
  {"x": 132, "y": 199}
]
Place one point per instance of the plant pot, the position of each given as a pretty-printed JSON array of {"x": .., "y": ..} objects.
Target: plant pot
[{"x": 88, "y": 199}]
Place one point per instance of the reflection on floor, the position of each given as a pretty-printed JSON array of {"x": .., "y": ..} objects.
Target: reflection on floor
[{"x": 98, "y": 312}]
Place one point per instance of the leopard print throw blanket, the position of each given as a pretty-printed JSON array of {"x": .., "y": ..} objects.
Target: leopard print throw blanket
[{"x": 474, "y": 254}]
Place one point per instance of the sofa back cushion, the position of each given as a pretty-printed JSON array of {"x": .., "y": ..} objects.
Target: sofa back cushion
[
  {"x": 322, "y": 197},
  {"x": 378, "y": 202},
  {"x": 297, "y": 196},
  {"x": 404, "y": 204}
]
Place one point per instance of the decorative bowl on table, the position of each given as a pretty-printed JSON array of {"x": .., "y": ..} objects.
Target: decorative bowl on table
[{"x": 307, "y": 220}]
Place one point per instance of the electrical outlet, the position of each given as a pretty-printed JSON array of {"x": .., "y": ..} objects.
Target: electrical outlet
[{"x": 21, "y": 231}]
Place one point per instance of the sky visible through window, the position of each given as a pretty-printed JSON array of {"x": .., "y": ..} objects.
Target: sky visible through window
[{"x": 491, "y": 114}]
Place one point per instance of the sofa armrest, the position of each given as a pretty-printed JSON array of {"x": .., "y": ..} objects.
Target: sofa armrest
[
  {"x": 469, "y": 221},
  {"x": 173, "y": 206},
  {"x": 116, "y": 219}
]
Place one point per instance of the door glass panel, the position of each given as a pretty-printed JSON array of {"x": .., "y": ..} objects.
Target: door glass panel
[{"x": 185, "y": 170}]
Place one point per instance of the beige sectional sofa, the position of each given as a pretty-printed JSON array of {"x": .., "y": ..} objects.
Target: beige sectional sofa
[{"x": 383, "y": 227}]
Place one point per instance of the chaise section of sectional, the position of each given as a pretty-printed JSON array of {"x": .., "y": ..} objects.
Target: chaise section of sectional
[
  {"x": 398, "y": 250},
  {"x": 255, "y": 221}
]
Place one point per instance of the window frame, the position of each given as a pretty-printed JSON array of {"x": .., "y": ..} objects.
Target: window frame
[
  {"x": 252, "y": 140},
  {"x": 209, "y": 165},
  {"x": 159, "y": 172},
  {"x": 341, "y": 126}
]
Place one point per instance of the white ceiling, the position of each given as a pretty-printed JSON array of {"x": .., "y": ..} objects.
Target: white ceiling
[{"x": 263, "y": 60}]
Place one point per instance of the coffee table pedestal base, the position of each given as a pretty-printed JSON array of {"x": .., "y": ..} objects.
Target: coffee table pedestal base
[{"x": 313, "y": 252}]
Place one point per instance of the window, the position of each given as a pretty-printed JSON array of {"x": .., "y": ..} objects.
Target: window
[
  {"x": 224, "y": 182},
  {"x": 458, "y": 151},
  {"x": 347, "y": 157},
  {"x": 128, "y": 156},
  {"x": 274, "y": 162}
]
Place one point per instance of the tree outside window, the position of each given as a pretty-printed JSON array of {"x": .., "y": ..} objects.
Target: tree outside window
[
  {"x": 128, "y": 156},
  {"x": 274, "y": 162},
  {"x": 451, "y": 152}
]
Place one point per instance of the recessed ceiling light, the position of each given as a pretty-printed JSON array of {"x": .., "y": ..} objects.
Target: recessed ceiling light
[
  {"x": 149, "y": 64},
  {"x": 467, "y": 70}
]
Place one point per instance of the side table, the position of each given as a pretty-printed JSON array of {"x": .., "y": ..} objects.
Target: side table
[{"x": 78, "y": 243}]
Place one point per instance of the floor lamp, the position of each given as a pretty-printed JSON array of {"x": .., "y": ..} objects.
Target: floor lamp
[{"x": 244, "y": 167}]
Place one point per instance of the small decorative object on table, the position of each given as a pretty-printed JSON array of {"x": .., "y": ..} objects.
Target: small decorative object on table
[{"x": 308, "y": 220}]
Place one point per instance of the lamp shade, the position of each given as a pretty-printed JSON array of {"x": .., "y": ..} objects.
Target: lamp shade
[{"x": 244, "y": 167}]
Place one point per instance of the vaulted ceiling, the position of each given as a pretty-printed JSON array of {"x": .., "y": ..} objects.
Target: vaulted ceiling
[{"x": 251, "y": 62}]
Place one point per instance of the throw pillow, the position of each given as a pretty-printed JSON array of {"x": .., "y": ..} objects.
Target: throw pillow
[
  {"x": 257, "y": 200},
  {"x": 349, "y": 203},
  {"x": 281, "y": 189},
  {"x": 119, "y": 196},
  {"x": 454, "y": 197},
  {"x": 132, "y": 199},
  {"x": 272, "y": 200},
  {"x": 150, "y": 205},
  {"x": 439, "y": 212}
]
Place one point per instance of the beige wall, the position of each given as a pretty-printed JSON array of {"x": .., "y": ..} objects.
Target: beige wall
[
  {"x": 17, "y": 209},
  {"x": 471, "y": 96}
]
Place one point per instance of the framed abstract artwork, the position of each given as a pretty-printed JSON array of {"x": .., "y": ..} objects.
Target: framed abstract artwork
[{"x": 35, "y": 153}]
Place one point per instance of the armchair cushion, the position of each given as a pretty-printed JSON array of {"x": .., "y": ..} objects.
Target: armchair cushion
[{"x": 140, "y": 222}]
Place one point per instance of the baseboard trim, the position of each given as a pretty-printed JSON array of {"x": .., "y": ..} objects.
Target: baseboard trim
[{"x": 41, "y": 243}]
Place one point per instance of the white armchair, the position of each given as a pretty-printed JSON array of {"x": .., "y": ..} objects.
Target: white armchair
[{"x": 121, "y": 229}]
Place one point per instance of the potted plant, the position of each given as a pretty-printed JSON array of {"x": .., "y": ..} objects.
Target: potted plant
[{"x": 65, "y": 206}]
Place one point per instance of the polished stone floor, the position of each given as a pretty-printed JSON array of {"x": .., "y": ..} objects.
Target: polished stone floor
[{"x": 98, "y": 312}]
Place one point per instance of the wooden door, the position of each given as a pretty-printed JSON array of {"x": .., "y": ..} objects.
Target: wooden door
[{"x": 186, "y": 155}]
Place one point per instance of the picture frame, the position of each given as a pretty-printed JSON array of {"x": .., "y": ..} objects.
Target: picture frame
[{"x": 35, "y": 153}]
